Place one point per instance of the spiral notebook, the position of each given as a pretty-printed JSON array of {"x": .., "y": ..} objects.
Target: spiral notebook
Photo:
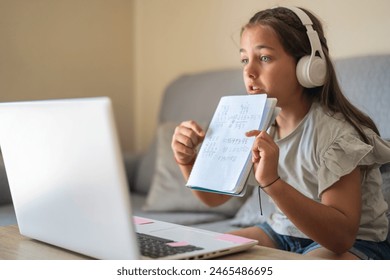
[{"x": 224, "y": 162}]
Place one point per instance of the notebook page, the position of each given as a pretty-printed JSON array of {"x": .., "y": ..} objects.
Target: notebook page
[{"x": 225, "y": 150}]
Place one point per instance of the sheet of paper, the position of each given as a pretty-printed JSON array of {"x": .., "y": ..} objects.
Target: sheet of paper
[{"x": 225, "y": 151}]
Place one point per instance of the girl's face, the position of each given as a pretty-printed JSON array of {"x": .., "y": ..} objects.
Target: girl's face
[{"x": 267, "y": 67}]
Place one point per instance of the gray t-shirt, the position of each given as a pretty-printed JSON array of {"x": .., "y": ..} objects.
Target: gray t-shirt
[{"x": 317, "y": 153}]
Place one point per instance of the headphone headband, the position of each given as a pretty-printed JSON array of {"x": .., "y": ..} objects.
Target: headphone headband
[
  {"x": 314, "y": 39},
  {"x": 311, "y": 70},
  {"x": 305, "y": 19}
]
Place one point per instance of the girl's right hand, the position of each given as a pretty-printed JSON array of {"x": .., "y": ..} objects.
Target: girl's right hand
[
  {"x": 186, "y": 138},
  {"x": 265, "y": 157}
]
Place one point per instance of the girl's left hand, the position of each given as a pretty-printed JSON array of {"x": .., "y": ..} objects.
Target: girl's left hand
[{"x": 265, "y": 156}]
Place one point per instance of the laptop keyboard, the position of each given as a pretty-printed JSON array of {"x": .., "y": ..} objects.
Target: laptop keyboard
[{"x": 156, "y": 247}]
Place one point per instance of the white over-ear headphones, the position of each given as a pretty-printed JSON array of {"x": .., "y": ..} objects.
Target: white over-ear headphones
[{"x": 311, "y": 69}]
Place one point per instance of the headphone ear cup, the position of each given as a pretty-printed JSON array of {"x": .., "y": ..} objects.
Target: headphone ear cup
[
  {"x": 311, "y": 74},
  {"x": 301, "y": 70}
]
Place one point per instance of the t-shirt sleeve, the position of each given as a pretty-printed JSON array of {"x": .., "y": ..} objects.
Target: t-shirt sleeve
[{"x": 347, "y": 152}]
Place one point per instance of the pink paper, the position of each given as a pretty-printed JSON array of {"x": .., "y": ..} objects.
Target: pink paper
[
  {"x": 178, "y": 244},
  {"x": 141, "y": 221},
  {"x": 233, "y": 238}
]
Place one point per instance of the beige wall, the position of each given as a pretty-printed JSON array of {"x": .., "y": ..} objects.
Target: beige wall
[
  {"x": 176, "y": 36},
  {"x": 69, "y": 48},
  {"x": 131, "y": 49}
]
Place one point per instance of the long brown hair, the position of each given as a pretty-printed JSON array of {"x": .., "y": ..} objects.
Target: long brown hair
[{"x": 292, "y": 35}]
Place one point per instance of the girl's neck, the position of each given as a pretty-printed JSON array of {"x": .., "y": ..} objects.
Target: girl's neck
[{"x": 290, "y": 117}]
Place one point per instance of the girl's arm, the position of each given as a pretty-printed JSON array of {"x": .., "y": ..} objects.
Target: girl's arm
[
  {"x": 334, "y": 222},
  {"x": 186, "y": 138}
]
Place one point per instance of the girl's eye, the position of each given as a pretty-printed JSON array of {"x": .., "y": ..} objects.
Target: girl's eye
[
  {"x": 265, "y": 58},
  {"x": 244, "y": 61}
]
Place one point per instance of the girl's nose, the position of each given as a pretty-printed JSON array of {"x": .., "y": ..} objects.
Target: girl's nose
[{"x": 251, "y": 71}]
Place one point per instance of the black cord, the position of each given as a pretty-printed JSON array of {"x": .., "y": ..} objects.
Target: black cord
[{"x": 261, "y": 208}]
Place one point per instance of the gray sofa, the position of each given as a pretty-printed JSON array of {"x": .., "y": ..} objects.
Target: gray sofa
[{"x": 156, "y": 185}]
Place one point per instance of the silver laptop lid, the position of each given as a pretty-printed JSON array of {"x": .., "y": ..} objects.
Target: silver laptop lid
[{"x": 84, "y": 209}]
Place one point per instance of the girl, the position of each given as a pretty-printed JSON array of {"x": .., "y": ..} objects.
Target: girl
[{"x": 320, "y": 161}]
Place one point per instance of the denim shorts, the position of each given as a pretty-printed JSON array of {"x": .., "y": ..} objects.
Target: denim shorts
[{"x": 365, "y": 250}]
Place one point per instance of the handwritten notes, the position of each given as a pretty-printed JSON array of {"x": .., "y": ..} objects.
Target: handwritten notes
[{"x": 223, "y": 162}]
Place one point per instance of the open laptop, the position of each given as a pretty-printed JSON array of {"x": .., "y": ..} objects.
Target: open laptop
[{"x": 68, "y": 184}]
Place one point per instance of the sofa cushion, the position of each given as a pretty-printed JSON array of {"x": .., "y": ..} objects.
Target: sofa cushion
[
  {"x": 365, "y": 82},
  {"x": 195, "y": 96},
  {"x": 168, "y": 191},
  {"x": 145, "y": 170}
]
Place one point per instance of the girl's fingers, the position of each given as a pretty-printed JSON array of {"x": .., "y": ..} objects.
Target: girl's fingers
[
  {"x": 252, "y": 133},
  {"x": 189, "y": 133},
  {"x": 195, "y": 127},
  {"x": 262, "y": 138},
  {"x": 185, "y": 139}
]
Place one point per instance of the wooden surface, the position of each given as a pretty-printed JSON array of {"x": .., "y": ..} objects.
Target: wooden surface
[{"x": 14, "y": 246}]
